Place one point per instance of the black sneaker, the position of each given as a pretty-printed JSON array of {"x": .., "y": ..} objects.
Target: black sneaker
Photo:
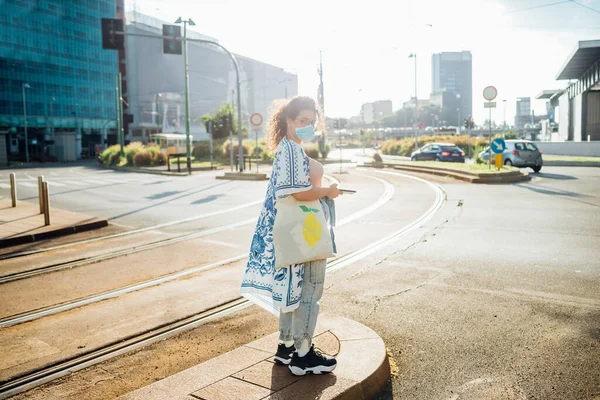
[
  {"x": 284, "y": 354},
  {"x": 314, "y": 362}
]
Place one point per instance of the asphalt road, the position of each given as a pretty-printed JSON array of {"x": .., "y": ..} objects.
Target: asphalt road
[{"x": 496, "y": 297}]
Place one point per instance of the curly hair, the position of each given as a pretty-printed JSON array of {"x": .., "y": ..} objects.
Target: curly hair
[{"x": 277, "y": 128}]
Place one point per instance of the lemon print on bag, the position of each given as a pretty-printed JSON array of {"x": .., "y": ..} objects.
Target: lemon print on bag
[{"x": 311, "y": 228}]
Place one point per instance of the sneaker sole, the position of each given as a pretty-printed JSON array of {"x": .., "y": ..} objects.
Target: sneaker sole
[
  {"x": 282, "y": 361},
  {"x": 321, "y": 369}
]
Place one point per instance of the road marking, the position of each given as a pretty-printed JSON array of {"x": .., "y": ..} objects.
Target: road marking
[
  {"x": 4, "y": 186},
  {"x": 54, "y": 183},
  {"x": 27, "y": 184},
  {"x": 75, "y": 183}
]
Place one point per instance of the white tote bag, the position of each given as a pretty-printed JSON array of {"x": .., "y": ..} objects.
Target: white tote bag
[{"x": 300, "y": 232}]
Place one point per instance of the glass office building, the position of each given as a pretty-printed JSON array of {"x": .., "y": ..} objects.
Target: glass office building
[{"x": 52, "y": 62}]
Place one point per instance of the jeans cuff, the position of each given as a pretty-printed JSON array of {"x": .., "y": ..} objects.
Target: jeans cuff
[
  {"x": 285, "y": 336},
  {"x": 298, "y": 341}
]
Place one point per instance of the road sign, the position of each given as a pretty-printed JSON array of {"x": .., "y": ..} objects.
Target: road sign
[
  {"x": 498, "y": 145},
  {"x": 490, "y": 93},
  {"x": 489, "y": 104},
  {"x": 498, "y": 161},
  {"x": 256, "y": 120}
]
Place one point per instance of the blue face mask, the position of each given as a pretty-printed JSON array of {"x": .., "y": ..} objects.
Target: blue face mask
[{"x": 306, "y": 133}]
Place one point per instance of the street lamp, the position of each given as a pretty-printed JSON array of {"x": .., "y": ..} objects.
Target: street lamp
[
  {"x": 504, "y": 126},
  {"x": 25, "y": 86},
  {"x": 187, "y": 98},
  {"x": 414, "y": 55}
]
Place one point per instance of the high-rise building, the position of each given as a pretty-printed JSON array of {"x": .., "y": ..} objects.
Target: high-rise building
[
  {"x": 52, "y": 62},
  {"x": 155, "y": 83},
  {"x": 376, "y": 111},
  {"x": 452, "y": 73},
  {"x": 523, "y": 112}
]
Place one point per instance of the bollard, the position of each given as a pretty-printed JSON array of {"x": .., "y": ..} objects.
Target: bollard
[
  {"x": 41, "y": 192},
  {"x": 13, "y": 189},
  {"x": 46, "y": 204}
]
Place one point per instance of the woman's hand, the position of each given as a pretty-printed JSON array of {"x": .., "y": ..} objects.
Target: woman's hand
[{"x": 333, "y": 191}]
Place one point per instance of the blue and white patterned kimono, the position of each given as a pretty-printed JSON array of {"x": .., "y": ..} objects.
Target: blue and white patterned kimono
[{"x": 276, "y": 290}]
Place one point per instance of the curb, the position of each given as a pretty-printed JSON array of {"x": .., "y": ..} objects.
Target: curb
[
  {"x": 362, "y": 371},
  {"x": 466, "y": 176},
  {"x": 243, "y": 176},
  {"x": 63, "y": 231},
  {"x": 559, "y": 163}
]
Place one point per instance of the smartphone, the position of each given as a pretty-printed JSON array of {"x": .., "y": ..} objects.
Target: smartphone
[{"x": 347, "y": 191}]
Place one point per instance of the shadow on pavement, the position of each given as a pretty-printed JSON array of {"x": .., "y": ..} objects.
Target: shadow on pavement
[
  {"x": 556, "y": 176},
  {"x": 207, "y": 199}
]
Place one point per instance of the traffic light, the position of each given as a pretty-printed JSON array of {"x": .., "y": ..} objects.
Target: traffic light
[
  {"x": 472, "y": 123},
  {"x": 336, "y": 123},
  {"x": 466, "y": 123},
  {"x": 362, "y": 131},
  {"x": 172, "y": 39},
  {"x": 110, "y": 39}
]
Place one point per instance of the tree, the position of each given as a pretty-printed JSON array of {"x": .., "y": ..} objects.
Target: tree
[{"x": 222, "y": 122}]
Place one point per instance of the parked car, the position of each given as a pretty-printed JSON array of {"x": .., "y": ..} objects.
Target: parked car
[
  {"x": 519, "y": 153},
  {"x": 447, "y": 152}
]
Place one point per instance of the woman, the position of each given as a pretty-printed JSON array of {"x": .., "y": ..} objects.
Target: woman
[{"x": 294, "y": 290}]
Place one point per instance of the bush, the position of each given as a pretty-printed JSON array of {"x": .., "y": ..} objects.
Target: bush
[
  {"x": 326, "y": 152},
  {"x": 201, "y": 150},
  {"x": 311, "y": 150},
  {"x": 143, "y": 158},
  {"x": 115, "y": 159},
  {"x": 105, "y": 156},
  {"x": 227, "y": 145},
  {"x": 476, "y": 151},
  {"x": 131, "y": 150},
  {"x": 160, "y": 159}
]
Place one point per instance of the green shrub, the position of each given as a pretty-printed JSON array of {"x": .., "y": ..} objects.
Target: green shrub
[
  {"x": 115, "y": 159},
  {"x": 227, "y": 145},
  {"x": 131, "y": 150},
  {"x": 105, "y": 156},
  {"x": 201, "y": 150},
  {"x": 160, "y": 159},
  {"x": 326, "y": 152},
  {"x": 142, "y": 158},
  {"x": 311, "y": 150}
]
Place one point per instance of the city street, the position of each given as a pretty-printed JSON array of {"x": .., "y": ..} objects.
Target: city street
[{"x": 478, "y": 291}]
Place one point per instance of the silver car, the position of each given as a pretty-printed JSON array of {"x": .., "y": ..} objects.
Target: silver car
[{"x": 518, "y": 153}]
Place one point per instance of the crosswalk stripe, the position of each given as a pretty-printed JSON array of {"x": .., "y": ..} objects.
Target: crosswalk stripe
[
  {"x": 27, "y": 184},
  {"x": 5, "y": 185}
]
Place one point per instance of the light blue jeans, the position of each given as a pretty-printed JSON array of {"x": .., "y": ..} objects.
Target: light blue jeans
[{"x": 300, "y": 324}]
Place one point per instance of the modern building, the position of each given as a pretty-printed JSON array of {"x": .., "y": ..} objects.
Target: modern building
[
  {"x": 376, "y": 111},
  {"x": 579, "y": 105},
  {"x": 155, "y": 84},
  {"x": 523, "y": 113},
  {"x": 452, "y": 73},
  {"x": 55, "y": 76}
]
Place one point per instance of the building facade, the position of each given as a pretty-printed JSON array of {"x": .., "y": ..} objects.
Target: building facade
[
  {"x": 155, "y": 83},
  {"x": 452, "y": 73},
  {"x": 53, "y": 70},
  {"x": 523, "y": 113}
]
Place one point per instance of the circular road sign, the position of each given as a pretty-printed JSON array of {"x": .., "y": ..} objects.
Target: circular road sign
[
  {"x": 256, "y": 119},
  {"x": 498, "y": 145},
  {"x": 490, "y": 93}
]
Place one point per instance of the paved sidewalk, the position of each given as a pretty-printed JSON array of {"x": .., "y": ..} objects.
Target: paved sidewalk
[
  {"x": 25, "y": 224},
  {"x": 250, "y": 373}
]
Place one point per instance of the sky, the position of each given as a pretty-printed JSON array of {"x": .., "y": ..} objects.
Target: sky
[{"x": 518, "y": 46}]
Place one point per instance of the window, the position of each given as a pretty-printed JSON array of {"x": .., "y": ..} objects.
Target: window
[
  {"x": 531, "y": 147},
  {"x": 520, "y": 146}
]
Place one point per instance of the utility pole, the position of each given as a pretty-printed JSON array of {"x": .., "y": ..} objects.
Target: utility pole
[
  {"x": 321, "y": 98},
  {"x": 188, "y": 149}
]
